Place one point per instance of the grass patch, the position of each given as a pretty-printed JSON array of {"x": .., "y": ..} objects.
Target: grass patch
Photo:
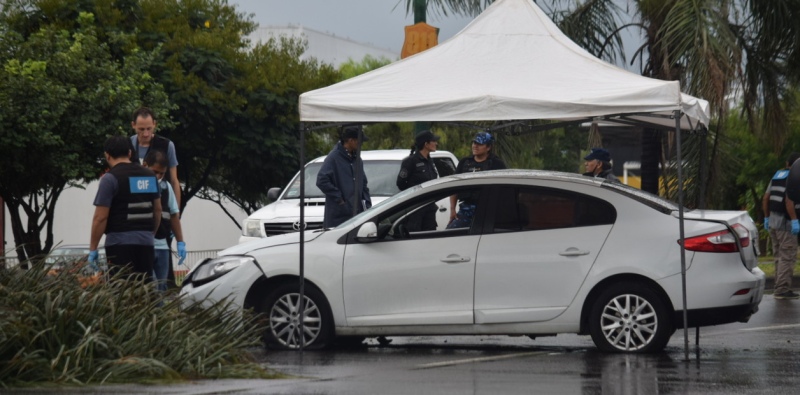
[
  {"x": 54, "y": 329},
  {"x": 767, "y": 265}
]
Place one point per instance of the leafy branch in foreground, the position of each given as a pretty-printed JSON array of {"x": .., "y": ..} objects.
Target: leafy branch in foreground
[{"x": 52, "y": 329}]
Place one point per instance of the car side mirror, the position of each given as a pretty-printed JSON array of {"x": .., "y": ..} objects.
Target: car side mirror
[
  {"x": 273, "y": 193},
  {"x": 367, "y": 233}
]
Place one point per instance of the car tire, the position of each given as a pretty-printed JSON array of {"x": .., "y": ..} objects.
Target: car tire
[
  {"x": 630, "y": 318},
  {"x": 281, "y": 309}
]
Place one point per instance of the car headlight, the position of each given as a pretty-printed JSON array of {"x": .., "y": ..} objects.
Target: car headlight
[
  {"x": 251, "y": 228},
  {"x": 217, "y": 267}
]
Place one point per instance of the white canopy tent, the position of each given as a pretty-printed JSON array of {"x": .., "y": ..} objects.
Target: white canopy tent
[{"x": 511, "y": 63}]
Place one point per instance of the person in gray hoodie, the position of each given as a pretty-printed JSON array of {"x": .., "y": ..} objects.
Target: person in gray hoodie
[{"x": 341, "y": 175}]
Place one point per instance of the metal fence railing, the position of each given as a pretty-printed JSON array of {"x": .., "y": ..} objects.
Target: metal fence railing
[{"x": 192, "y": 259}]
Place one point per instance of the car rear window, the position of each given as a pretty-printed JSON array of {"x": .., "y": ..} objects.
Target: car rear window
[{"x": 657, "y": 202}]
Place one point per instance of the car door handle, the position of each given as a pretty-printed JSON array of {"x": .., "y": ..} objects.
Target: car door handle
[
  {"x": 455, "y": 258},
  {"x": 442, "y": 209},
  {"x": 572, "y": 251}
]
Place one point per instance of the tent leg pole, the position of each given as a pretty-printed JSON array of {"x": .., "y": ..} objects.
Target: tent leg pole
[
  {"x": 678, "y": 115},
  {"x": 697, "y": 336},
  {"x": 301, "y": 329}
]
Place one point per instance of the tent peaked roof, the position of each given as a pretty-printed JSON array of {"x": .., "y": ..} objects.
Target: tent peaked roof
[{"x": 510, "y": 63}]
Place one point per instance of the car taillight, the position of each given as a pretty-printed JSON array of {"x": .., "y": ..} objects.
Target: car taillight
[
  {"x": 722, "y": 241},
  {"x": 744, "y": 234}
]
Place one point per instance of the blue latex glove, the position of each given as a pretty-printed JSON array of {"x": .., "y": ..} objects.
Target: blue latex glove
[
  {"x": 181, "y": 252},
  {"x": 766, "y": 223},
  {"x": 93, "y": 261},
  {"x": 795, "y": 226}
]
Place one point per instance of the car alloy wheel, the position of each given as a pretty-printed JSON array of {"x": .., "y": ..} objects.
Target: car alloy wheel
[
  {"x": 630, "y": 318},
  {"x": 283, "y": 309}
]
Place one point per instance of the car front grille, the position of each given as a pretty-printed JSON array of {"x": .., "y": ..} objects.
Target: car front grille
[{"x": 279, "y": 228}]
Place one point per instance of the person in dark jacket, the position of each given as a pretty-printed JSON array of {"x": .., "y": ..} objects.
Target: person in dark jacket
[
  {"x": 598, "y": 164},
  {"x": 341, "y": 175},
  {"x": 417, "y": 168}
]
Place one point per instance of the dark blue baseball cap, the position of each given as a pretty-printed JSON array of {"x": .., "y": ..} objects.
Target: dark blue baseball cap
[
  {"x": 601, "y": 154},
  {"x": 483, "y": 138}
]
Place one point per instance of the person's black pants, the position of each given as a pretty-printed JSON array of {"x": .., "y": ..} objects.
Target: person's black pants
[{"x": 135, "y": 259}]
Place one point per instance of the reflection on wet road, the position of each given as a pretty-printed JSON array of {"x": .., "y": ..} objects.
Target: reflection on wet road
[{"x": 760, "y": 357}]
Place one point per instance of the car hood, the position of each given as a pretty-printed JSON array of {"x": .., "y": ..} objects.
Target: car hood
[
  {"x": 289, "y": 209},
  {"x": 267, "y": 242}
]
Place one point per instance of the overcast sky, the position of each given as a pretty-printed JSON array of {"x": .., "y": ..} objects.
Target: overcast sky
[{"x": 376, "y": 22}]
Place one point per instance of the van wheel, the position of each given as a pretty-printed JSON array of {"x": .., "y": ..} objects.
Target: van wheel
[
  {"x": 282, "y": 309},
  {"x": 630, "y": 318}
]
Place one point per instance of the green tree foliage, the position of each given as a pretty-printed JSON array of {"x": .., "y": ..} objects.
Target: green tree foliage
[
  {"x": 237, "y": 109},
  {"x": 261, "y": 151},
  {"x": 229, "y": 106},
  {"x": 61, "y": 95}
]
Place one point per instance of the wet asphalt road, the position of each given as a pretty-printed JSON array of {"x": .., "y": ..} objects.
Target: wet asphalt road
[{"x": 759, "y": 357}]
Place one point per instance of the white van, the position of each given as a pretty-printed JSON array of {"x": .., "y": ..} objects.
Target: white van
[{"x": 381, "y": 166}]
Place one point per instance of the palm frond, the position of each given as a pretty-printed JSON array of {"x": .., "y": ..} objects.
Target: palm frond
[{"x": 595, "y": 26}]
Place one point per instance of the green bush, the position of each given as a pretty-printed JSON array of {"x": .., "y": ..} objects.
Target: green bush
[{"x": 55, "y": 329}]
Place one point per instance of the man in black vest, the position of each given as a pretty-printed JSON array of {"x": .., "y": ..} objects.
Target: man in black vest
[
  {"x": 780, "y": 219},
  {"x": 144, "y": 124},
  {"x": 127, "y": 211}
]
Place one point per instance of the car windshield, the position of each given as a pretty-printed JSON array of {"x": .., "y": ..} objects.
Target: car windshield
[
  {"x": 381, "y": 179},
  {"x": 370, "y": 211}
]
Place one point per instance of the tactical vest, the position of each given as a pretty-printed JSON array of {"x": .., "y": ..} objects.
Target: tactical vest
[
  {"x": 777, "y": 192},
  {"x": 165, "y": 227},
  {"x": 132, "y": 207}
]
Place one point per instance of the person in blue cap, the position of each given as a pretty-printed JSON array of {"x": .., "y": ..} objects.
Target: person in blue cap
[
  {"x": 598, "y": 164},
  {"x": 482, "y": 159}
]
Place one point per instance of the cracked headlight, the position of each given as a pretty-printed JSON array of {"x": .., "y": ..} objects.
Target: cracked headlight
[{"x": 215, "y": 268}]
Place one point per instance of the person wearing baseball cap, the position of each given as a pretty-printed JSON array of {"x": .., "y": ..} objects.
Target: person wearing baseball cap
[
  {"x": 415, "y": 169},
  {"x": 598, "y": 164},
  {"x": 482, "y": 159}
]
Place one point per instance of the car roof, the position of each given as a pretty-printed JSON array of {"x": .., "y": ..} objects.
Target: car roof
[
  {"x": 523, "y": 174},
  {"x": 388, "y": 154}
]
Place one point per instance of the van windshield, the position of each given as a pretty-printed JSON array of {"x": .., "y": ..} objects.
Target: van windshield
[{"x": 381, "y": 179}]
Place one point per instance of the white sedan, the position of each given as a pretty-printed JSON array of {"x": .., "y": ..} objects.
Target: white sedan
[{"x": 543, "y": 253}]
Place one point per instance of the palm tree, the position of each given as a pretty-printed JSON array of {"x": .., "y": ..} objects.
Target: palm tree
[{"x": 712, "y": 47}]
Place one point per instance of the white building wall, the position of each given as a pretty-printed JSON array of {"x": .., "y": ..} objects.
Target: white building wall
[
  {"x": 324, "y": 47},
  {"x": 205, "y": 226}
]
